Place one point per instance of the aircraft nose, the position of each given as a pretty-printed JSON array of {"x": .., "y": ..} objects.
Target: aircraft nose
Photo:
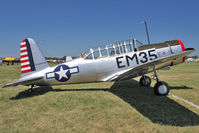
[
  {"x": 182, "y": 45},
  {"x": 183, "y": 49}
]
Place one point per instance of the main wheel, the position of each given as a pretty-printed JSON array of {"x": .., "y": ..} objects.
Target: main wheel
[
  {"x": 161, "y": 88},
  {"x": 30, "y": 90},
  {"x": 145, "y": 81}
]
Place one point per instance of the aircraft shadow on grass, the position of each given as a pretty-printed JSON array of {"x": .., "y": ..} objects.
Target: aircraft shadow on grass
[
  {"x": 180, "y": 87},
  {"x": 45, "y": 89},
  {"x": 160, "y": 110}
]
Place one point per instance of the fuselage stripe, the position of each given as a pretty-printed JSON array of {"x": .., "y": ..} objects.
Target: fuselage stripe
[
  {"x": 183, "y": 49},
  {"x": 181, "y": 44}
]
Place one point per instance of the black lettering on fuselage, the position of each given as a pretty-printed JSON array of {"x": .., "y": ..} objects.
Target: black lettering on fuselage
[
  {"x": 131, "y": 58},
  {"x": 119, "y": 62},
  {"x": 152, "y": 55},
  {"x": 144, "y": 57}
]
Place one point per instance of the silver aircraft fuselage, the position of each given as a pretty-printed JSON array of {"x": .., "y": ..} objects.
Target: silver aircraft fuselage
[
  {"x": 115, "y": 62},
  {"x": 108, "y": 68}
]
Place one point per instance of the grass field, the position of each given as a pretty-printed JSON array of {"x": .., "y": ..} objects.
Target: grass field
[{"x": 101, "y": 107}]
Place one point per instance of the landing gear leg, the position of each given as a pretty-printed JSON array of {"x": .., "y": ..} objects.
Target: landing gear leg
[
  {"x": 161, "y": 88},
  {"x": 31, "y": 89},
  {"x": 145, "y": 81}
]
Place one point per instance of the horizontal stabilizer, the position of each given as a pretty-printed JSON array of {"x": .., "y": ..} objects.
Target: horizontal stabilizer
[{"x": 24, "y": 82}]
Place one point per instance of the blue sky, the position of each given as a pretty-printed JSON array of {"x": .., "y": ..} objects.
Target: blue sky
[{"x": 69, "y": 27}]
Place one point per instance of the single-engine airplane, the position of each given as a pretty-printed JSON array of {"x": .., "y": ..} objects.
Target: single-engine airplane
[
  {"x": 10, "y": 60},
  {"x": 115, "y": 62}
]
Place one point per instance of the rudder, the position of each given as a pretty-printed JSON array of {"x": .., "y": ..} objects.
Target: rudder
[{"x": 31, "y": 57}]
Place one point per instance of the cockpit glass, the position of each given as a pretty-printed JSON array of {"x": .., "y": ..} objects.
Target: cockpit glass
[
  {"x": 103, "y": 52},
  {"x": 89, "y": 57},
  {"x": 138, "y": 44},
  {"x": 117, "y": 50},
  {"x": 124, "y": 48},
  {"x": 96, "y": 54},
  {"x": 111, "y": 51},
  {"x": 129, "y": 47}
]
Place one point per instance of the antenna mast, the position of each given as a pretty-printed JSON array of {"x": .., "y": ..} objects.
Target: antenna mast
[{"x": 147, "y": 33}]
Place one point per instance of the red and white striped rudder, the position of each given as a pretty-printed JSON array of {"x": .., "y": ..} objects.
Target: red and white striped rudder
[
  {"x": 25, "y": 59},
  {"x": 31, "y": 57}
]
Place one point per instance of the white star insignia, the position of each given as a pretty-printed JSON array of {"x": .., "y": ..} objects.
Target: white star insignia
[{"x": 62, "y": 73}]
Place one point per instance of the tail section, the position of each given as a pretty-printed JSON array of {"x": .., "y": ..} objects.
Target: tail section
[{"x": 32, "y": 59}]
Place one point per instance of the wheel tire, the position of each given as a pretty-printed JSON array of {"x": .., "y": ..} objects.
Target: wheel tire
[
  {"x": 161, "y": 88},
  {"x": 145, "y": 81},
  {"x": 30, "y": 90}
]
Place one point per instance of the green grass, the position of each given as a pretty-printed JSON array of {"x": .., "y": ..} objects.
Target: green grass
[{"x": 101, "y": 107}]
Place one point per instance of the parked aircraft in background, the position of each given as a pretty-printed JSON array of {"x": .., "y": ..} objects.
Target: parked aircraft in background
[
  {"x": 1, "y": 62},
  {"x": 11, "y": 60},
  {"x": 114, "y": 62},
  {"x": 55, "y": 61}
]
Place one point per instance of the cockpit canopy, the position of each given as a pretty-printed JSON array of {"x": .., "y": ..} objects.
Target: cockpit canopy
[{"x": 112, "y": 49}]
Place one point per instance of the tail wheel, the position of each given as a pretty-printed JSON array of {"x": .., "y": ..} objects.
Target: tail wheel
[
  {"x": 145, "y": 81},
  {"x": 161, "y": 88}
]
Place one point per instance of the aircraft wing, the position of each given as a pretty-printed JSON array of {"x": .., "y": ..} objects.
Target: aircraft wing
[
  {"x": 24, "y": 82},
  {"x": 145, "y": 68}
]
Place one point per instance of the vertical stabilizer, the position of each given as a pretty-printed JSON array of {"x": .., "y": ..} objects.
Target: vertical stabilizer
[{"x": 31, "y": 58}]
